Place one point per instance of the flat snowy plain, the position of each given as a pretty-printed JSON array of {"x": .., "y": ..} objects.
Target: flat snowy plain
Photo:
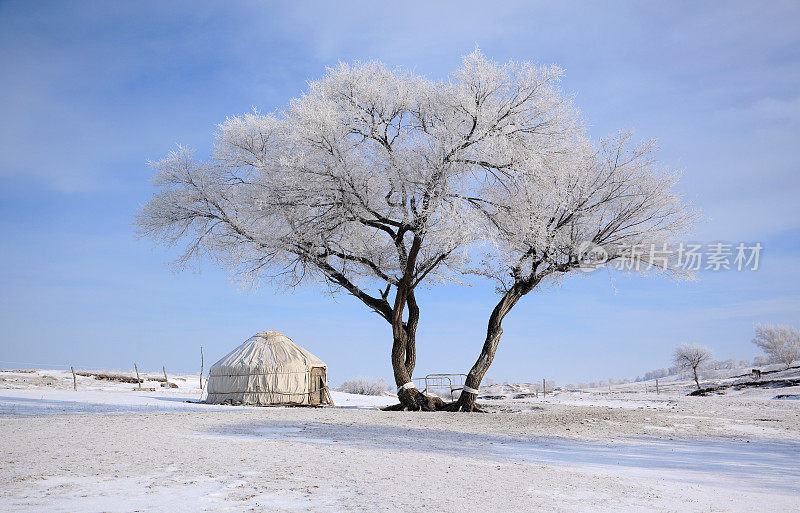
[{"x": 108, "y": 447}]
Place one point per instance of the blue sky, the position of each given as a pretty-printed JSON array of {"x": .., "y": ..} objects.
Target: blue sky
[{"x": 92, "y": 91}]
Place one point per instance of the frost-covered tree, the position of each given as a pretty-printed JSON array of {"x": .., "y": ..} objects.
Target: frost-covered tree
[
  {"x": 779, "y": 343},
  {"x": 691, "y": 357},
  {"x": 762, "y": 360},
  {"x": 545, "y": 214},
  {"x": 367, "y": 182}
]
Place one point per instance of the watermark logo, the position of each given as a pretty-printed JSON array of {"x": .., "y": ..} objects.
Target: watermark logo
[
  {"x": 591, "y": 256},
  {"x": 717, "y": 256}
]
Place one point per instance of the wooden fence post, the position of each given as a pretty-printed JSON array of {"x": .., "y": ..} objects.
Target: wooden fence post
[
  {"x": 657, "y": 393},
  {"x": 166, "y": 380},
  {"x": 138, "y": 380},
  {"x": 544, "y": 388},
  {"x": 74, "y": 379}
]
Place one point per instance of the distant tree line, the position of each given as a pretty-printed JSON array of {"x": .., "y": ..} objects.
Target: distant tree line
[
  {"x": 781, "y": 344},
  {"x": 729, "y": 364}
]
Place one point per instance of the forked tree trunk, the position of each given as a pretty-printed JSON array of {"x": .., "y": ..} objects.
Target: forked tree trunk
[
  {"x": 403, "y": 359},
  {"x": 409, "y": 397},
  {"x": 404, "y": 352},
  {"x": 697, "y": 381},
  {"x": 403, "y": 367}
]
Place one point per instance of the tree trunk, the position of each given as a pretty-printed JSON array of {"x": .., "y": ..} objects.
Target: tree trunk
[
  {"x": 411, "y": 333},
  {"x": 466, "y": 402},
  {"x": 697, "y": 381},
  {"x": 410, "y": 398},
  {"x": 404, "y": 338}
]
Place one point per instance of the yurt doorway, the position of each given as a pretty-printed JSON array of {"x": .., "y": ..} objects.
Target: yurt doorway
[{"x": 317, "y": 390}]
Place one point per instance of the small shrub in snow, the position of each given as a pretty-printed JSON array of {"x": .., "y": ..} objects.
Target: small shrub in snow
[{"x": 363, "y": 386}]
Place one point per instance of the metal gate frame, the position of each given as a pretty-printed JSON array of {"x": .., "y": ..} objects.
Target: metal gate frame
[{"x": 451, "y": 382}]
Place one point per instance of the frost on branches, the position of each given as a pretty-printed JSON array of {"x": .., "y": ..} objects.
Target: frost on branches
[
  {"x": 779, "y": 343},
  {"x": 691, "y": 357},
  {"x": 376, "y": 181},
  {"x": 545, "y": 214}
]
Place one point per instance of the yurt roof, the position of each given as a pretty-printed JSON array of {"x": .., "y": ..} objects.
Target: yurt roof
[{"x": 266, "y": 352}]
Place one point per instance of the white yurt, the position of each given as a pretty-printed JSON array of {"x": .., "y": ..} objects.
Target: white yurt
[{"x": 268, "y": 369}]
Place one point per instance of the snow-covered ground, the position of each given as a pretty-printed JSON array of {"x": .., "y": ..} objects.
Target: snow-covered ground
[{"x": 108, "y": 447}]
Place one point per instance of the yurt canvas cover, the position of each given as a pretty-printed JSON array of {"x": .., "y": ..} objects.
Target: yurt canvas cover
[{"x": 268, "y": 369}]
